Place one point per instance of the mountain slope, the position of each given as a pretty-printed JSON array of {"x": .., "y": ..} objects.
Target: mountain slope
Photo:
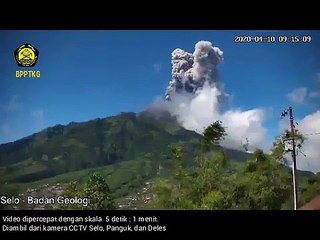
[
  {"x": 127, "y": 149},
  {"x": 99, "y": 142}
]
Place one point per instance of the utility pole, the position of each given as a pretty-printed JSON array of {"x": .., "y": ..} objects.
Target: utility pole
[{"x": 294, "y": 165}]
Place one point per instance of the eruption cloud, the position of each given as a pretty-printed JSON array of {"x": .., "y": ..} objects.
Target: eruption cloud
[
  {"x": 191, "y": 71},
  {"x": 311, "y": 146},
  {"x": 195, "y": 96}
]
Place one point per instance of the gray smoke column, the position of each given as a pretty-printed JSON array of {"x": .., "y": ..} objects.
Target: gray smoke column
[
  {"x": 194, "y": 96},
  {"x": 191, "y": 71}
]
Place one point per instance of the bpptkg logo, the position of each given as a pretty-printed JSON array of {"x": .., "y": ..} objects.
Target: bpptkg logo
[{"x": 26, "y": 56}]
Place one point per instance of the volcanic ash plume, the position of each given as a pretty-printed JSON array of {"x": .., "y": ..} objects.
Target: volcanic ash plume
[
  {"x": 194, "y": 96},
  {"x": 191, "y": 71}
]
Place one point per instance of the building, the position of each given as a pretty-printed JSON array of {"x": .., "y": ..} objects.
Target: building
[{"x": 314, "y": 204}]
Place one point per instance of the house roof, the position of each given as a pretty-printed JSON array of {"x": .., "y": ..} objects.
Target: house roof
[{"x": 314, "y": 204}]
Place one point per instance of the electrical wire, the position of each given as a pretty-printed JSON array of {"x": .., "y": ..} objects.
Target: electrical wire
[{"x": 308, "y": 134}]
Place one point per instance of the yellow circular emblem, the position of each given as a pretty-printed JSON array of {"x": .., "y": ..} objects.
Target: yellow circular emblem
[{"x": 26, "y": 55}]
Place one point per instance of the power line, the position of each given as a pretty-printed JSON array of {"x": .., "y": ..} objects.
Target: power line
[{"x": 307, "y": 134}]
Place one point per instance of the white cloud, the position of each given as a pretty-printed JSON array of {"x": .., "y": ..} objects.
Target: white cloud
[
  {"x": 38, "y": 116},
  {"x": 298, "y": 95},
  {"x": 314, "y": 94},
  {"x": 157, "y": 67},
  {"x": 11, "y": 105},
  {"x": 283, "y": 125},
  {"x": 242, "y": 125},
  {"x": 199, "y": 111},
  {"x": 311, "y": 147}
]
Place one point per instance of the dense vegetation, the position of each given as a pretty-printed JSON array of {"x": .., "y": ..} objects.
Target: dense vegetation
[
  {"x": 101, "y": 142},
  {"x": 126, "y": 151},
  {"x": 96, "y": 190},
  {"x": 263, "y": 182}
]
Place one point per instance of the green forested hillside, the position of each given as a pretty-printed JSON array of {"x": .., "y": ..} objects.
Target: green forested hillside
[
  {"x": 61, "y": 149},
  {"x": 127, "y": 149}
]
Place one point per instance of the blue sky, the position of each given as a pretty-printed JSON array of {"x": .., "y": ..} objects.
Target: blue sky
[{"x": 90, "y": 74}]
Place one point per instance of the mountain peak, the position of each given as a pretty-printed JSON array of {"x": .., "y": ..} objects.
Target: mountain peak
[
  {"x": 126, "y": 114},
  {"x": 157, "y": 114}
]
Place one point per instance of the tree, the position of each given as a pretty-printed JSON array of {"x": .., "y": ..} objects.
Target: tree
[
  {"x": 173, "y": 194},
  {"x": 263, "y": 183},
  {"x": 198, "y": 189},
  {"x": 97, "y": 190},
  {"x": 111, "y": 153},
  {"x": 177, "y": 156},
  {"x": 211, "y": 182},
  {"x": 72, "y": 190},
  {"x": 311, "y": 190},
  {"x": 214, "y": 200},
  {"x": 278, "y": 150},
  {"x": 213, "y": 135},
  {"x": 100, "y": 140},
  {"x": 163, "y": 191}
]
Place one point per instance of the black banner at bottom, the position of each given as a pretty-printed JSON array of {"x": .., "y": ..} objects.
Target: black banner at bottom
[{"x": 160, "y": 222}]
